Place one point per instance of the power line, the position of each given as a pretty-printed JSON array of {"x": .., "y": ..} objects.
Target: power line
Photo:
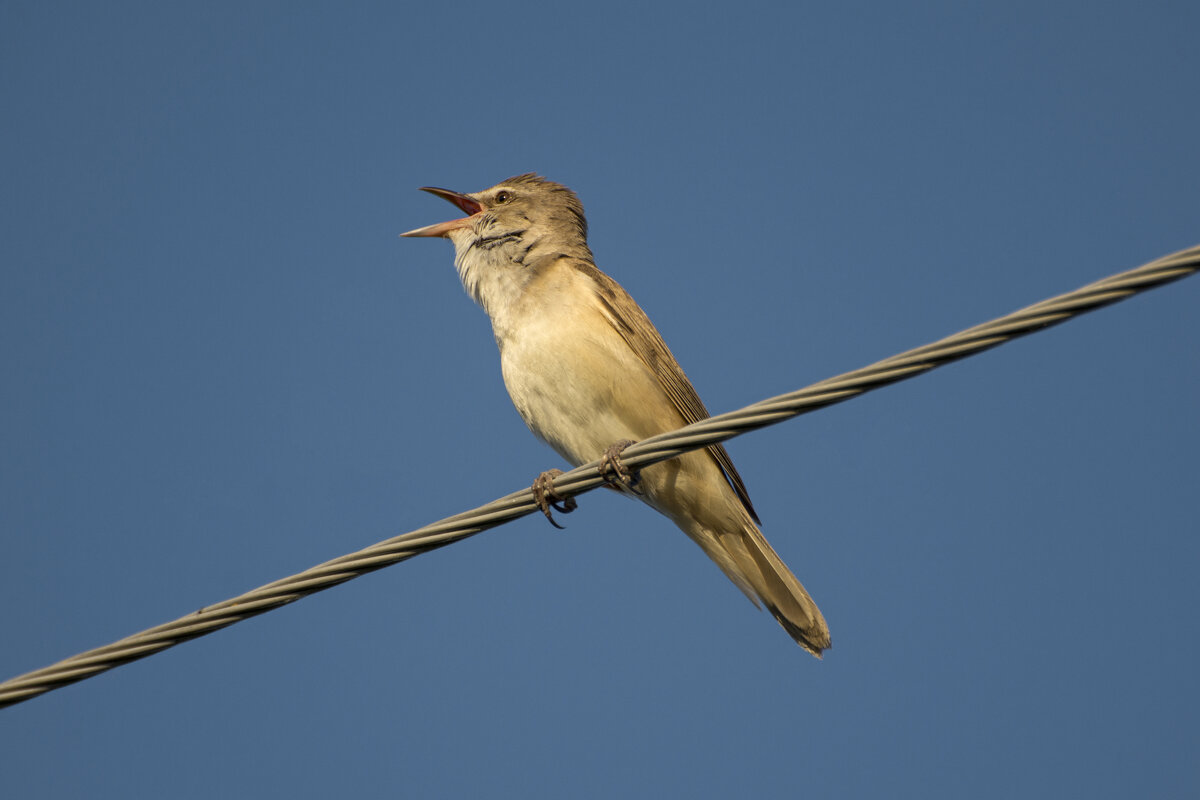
[{"x": 585, "y": 478}]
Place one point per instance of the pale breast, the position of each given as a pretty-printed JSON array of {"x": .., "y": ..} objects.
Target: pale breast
[{"x": 573, "y": 378}]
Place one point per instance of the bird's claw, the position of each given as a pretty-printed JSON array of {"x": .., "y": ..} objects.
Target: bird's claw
[
  {"x": 547, "y": 497},
  {"x": 615, "y": 472}
]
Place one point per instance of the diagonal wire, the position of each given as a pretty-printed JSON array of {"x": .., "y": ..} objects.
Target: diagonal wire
[{"x": 587, "y": 477}]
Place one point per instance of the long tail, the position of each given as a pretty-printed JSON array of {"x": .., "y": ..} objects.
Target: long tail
[
  {"x": 692, "y": 491},
  {"x": 749, "y": 561}
]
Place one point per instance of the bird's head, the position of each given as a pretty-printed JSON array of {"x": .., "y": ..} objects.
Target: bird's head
[
  {"x": 515, "y": 214},
  {"x": 508, "y": 229}
]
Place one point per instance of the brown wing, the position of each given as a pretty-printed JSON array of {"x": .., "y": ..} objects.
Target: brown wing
[{"x": 642, "y": 337}]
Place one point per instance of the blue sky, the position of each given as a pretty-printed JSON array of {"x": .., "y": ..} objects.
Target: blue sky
[{"x": 221, "y": 366}]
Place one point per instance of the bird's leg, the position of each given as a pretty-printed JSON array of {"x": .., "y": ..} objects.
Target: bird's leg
[
  {"x": 613, "y": 471},
  {"x": 547, "y": 498}
]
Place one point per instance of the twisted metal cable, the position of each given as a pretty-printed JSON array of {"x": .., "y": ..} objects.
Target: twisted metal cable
[{"x": 587, "y": 477}]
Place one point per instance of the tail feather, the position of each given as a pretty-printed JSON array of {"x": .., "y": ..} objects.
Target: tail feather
[
  {"x": 750, "y": 562},
  {"x": 695, "y": 496}
]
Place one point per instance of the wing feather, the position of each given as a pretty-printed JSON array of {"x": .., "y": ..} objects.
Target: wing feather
[{"x": 643, "y": 338}]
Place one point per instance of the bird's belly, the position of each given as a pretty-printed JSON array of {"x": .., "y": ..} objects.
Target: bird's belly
[{"x": 582, "y": 393}]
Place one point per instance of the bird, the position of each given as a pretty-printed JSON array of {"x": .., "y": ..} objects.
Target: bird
[{"x": 590, "y": 374}]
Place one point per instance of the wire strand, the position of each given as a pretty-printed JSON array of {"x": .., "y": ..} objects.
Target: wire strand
[{"x": 587, "y": 477}]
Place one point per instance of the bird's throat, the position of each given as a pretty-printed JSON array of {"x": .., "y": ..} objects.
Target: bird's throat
[{"x": 492, "y": 271}]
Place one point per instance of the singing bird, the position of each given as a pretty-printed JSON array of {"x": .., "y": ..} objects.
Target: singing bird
[{"x": 589, "y": 373}]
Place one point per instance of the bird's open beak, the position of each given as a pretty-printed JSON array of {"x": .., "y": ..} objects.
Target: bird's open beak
[{"x": 467, "y": 204}]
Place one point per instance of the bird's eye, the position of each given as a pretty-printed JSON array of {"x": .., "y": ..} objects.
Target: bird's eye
[{"x": 503, "y": 196}]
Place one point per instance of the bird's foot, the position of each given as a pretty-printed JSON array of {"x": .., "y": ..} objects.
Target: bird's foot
[
  {"x": 615, "y": 472},
  {"x": 547, "y": 498}
]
